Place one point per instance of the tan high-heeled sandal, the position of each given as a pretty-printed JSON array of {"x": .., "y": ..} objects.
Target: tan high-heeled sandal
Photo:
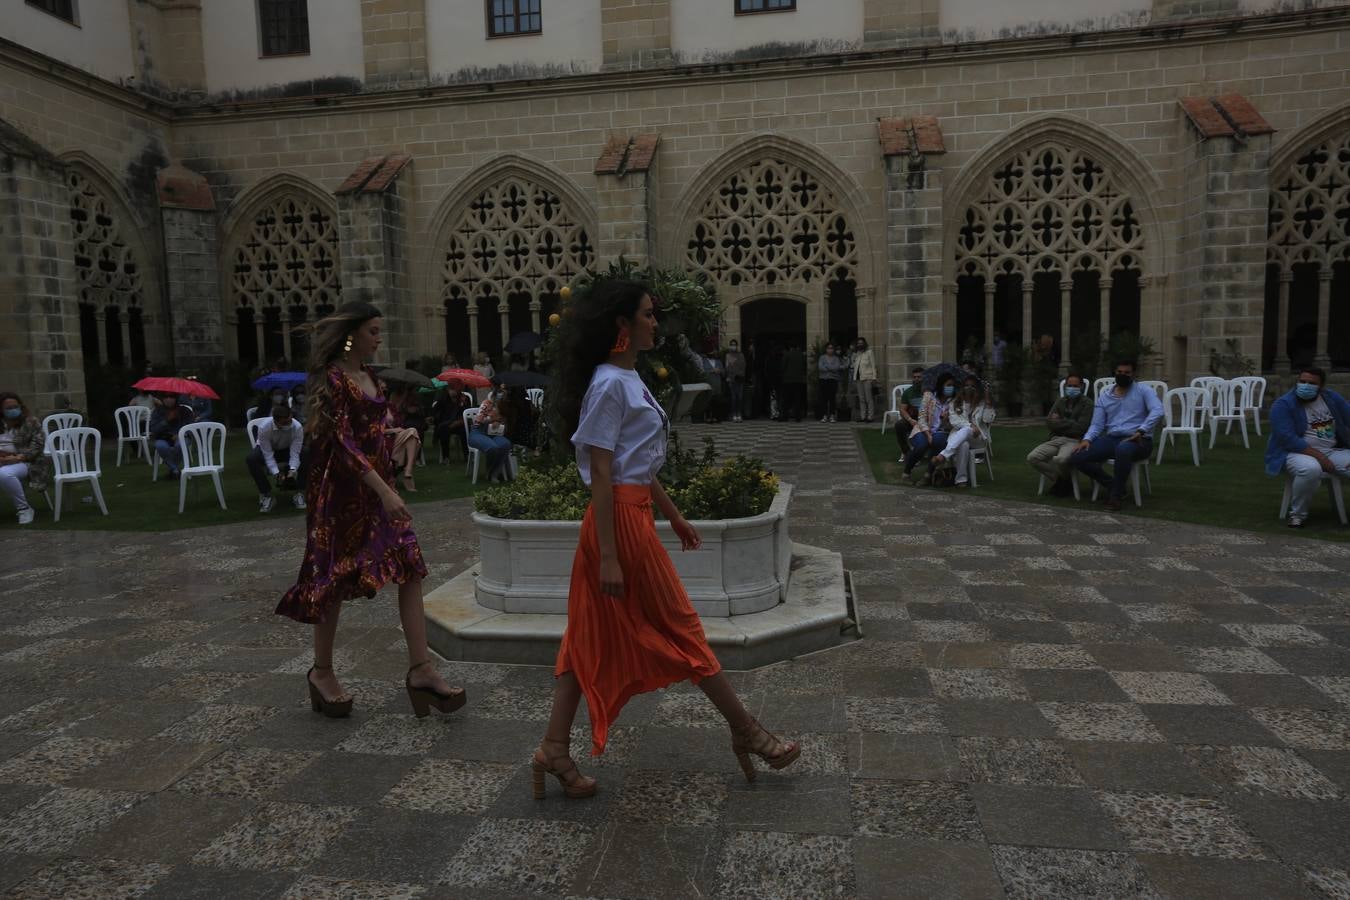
[
  {"x": 424, "y": 698},
  {"x": 333, "y": 709},
  {"x": 754, "y": 739},
  {"x": 575, "y": 785}
]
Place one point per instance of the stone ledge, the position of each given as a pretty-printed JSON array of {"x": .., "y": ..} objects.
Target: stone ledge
[{"x": 811, "y": 619}]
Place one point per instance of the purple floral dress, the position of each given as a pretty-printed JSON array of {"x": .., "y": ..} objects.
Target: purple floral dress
[{"x": 354, "y": 548}]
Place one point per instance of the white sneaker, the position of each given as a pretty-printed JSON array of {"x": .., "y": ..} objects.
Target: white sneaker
[
  {"x": 1295, "y": 520},
  {"x": 298, "y": 500},
  {"x": 265, "y": 503},
  {"x": 26, "y": 516}
]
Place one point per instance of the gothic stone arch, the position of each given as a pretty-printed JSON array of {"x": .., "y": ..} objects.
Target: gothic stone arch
[
  {"x": 506, "y": 242},
  {"x": 281, "y": 267}
]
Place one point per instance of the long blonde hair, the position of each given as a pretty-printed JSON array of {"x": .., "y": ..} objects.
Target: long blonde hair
[{"x": 328, "y": 340}]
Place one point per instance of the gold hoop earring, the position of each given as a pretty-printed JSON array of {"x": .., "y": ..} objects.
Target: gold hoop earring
[{"x": 347, "y": 347}]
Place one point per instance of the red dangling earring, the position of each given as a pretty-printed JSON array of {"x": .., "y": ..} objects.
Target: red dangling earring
[{"x": 620, "y": 342}]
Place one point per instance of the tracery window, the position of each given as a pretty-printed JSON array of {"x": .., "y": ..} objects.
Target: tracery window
[
  {"x": 108, "y": 275},
  {"x": 1051, "y": 226},
  {"x": 1308, "y": 252},
  {"x": 772, "y": 222},
  {"x": 284, "y": 272},
  {"x": 508, "y": 254}
]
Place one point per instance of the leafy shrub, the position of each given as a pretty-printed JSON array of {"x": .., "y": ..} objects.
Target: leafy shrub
[{"x": 701, "y": 486}]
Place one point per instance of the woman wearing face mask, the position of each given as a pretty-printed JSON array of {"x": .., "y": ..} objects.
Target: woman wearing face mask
[
  {"x": 929, "y": 434},
  {"x": 360, "y": 530},
  {"x": 828, "y": 369},
  {"x": 971, "y": 415},
  {"x": 21, "y": 456},
  {"x": 734, "y": 365}
]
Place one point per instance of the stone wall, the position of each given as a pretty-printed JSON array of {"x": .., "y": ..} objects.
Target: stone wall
[{"x": 394, "y": 41}]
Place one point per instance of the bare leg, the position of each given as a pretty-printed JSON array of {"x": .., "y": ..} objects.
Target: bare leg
[
  {"x": 566, "y": 697},
  {"x": 553, "y": 754},
  {"x": 413, "y": 616},
  {"x": 323, "y": 676},
  {"x": 723, "y": 695}
]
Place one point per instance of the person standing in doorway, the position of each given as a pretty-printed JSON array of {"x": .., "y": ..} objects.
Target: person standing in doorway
[
  {"x": 734, "y": 365},
  {"x": 828, "y": 369},
  {"x": 360, "y": 530},
  {"x": 864, "y": 377},
  {"x": 630, "y": 625}
]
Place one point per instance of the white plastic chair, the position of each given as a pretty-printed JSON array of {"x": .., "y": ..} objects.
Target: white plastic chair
[
  {"x": 56, "y": 422},
  {"x": 1206, "y": 383},
  {"x": 1061, "y": 386},
  {"x": 250, "y": 414},
  {"x": 1134, "y": 481},
  {"x": 1073, "y": 479},
  {"x": 979, "y": 453},
  {"x": 1253, "y": 397},
  {"x": 536, "y": 396},
  {"x": 468, "y": 395},
  {"x": 133, "y": 427},
  {"x": 1158, "y": 387},
  {"x": 893, "y": 414},
  {"x": 252, "y": 429},
  {"x": 1226, "y": 404},
  {"x": 1190, "y": 404},
  {"x": 203, "y": 447},
  {"x": 73, "y": 462},
  {"x": 1102, "y": 384},
  {"x": 471, "y": 464},
  {"x": 1333, "y": 485}
]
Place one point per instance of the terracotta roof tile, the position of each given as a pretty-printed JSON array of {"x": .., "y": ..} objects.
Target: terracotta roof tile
[
  {"x": 360, "y": 175},
  {"x": 900, "y": 136},
  {"x": 623, "y": 155},
  {"x": 375, "y": 174},
  {"x": 611, "y": 156},
  {"x": 181, "y": 188},
  {"x": 1239, "y": 111}
]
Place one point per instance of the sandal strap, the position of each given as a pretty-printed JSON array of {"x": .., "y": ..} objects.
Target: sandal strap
[
  {"x": 318, "y": 668},
  {"x": 415, "y": 666}
]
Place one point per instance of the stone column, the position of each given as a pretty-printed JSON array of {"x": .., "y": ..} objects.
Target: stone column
[
  {"x": 1282, "y": 361},
  {"x": 626, "y": 180},
  {"x": 1323, "y": 358},
  {"x": 536, "y": 315},
  {"x": 1028, "y": 339},
  {"x": 191, "y": 275},
  {"x": 40, "y": 356},
  {"x": 504, "y": 310},
  {"x": 990, "y": 288},
  {"x": 101, "y": 352},
  {"x": 372, "y": 233},
  {"x": 260, "y": 326},
  {"x": 913, "y": 291},
  {"x": 1224, "y": 204},
  {"x": 1104, "y": 306},
  {"x": 1065, "y": 325}
]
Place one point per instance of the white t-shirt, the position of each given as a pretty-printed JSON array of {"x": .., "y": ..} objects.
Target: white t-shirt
[
  {"x": 1321, "y": 433},
  {"x": 618, "y": 413}
]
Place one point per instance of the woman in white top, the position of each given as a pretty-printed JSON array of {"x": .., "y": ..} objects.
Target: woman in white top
[
  {"x": 630, "y": 625},
  {"x": 971, "y": 415}
]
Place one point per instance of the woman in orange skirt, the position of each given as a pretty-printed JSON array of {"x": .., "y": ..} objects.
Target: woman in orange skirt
[{"x": 630, "y": 625}]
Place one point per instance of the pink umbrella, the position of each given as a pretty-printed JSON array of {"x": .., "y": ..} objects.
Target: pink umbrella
[
  {"x": 466, "y": 377},
  {"x": 176, "y": 386}
]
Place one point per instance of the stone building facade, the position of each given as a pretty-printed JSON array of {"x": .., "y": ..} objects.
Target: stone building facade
[{"x": 920, "y": 172}]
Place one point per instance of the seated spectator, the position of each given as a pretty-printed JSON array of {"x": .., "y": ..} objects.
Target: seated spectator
[
  {"x": 143, "y": 399},
  {"x": 1068, "y": 422},
  {"x": 447, "y": 419},
  {"x": 21, "y": 456},
  {"x": 298, "y": 403},
  {"x": 165, "y": 423},
  {"x": 279, "y": 435},
  {"x": 1121, "y": 431},
  {"x": 403, "y": 428},
  {"x": 1309, "y": 437},
  {"x": 489, "y": 438},
  {"x": 910, "y": 398},
  {"x": 970, "y": 417},
  {"x": 931, "y": 425}
]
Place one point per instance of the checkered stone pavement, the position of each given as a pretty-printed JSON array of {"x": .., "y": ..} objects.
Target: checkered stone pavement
[{"x": 1045, "y": 704}]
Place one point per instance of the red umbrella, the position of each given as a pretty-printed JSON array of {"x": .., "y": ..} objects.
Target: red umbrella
[
  {"x": 176, "y": 386},
  {"x": 466, "y": 377}
]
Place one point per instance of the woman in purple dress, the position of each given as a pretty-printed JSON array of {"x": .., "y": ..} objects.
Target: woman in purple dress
[{"x": 360, "y": 531}]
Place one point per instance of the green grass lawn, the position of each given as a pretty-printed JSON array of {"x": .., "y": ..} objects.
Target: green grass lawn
[
  {"x": 1229, "y": 488},
  {"x": 135, "y": 503}
]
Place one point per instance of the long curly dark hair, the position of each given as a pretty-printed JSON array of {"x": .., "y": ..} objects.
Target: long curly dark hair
[
  {"x": 327, "y": 338},
  {"x": 586, "y": 334}
]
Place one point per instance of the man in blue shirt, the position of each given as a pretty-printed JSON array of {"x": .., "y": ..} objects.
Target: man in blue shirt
[
  {"x": 1309, "y": 436},
  {"x": 1121, "y": 431}
]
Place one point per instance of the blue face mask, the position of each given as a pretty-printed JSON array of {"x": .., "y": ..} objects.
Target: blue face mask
[
  {"x": 949, "y": 390},
  {"x": 1073, "y": 392},
  {"x": 14, "y": 413},
  {"x": 1306, "y": 391}
]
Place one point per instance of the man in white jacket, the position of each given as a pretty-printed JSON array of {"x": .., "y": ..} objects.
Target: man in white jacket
[
  {"x": 863, "y": 374},
  {"x": 278, "y": 435}
]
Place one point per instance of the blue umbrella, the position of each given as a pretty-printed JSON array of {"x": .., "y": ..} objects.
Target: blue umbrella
[{"x": 286, "y": 380}]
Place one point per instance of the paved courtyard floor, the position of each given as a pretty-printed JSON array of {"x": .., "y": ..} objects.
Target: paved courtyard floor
[{"x": 1045, "y": 704}]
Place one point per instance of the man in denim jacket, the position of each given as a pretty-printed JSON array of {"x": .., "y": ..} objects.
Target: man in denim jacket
[{"x": 1309, "y": 436}]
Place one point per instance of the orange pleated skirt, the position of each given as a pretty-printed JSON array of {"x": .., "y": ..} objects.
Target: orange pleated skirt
[{"x": 649, "y": 639}]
